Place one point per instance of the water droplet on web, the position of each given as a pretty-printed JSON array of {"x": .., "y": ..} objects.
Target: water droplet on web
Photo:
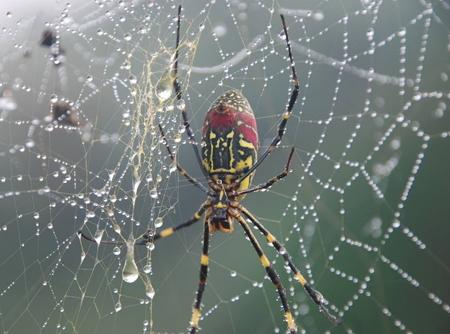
[
  {"x": 150, "y": 246},
  {"x": 164, "y": 87},
  {"x": 172, "y": 167},
  {"x": 159, "y": 222},
  {"x": 181, "y": 104},
  {"x": 50, "y": 226},
  {"x": 116, "y": 228},
  {"x": 116, "y": 250},
  {"x": 147, "y": 269},
  {"x": 53, "y": 98},
  {"x": 98, "y": 236},
  {"x": 132, "y": 79},
  {"x": 118, "y": 307},
  {"x": 130, "y": 272},
  {"x": 177, "y": 138},
  {"x": 154, "y": 193},
  {"x": 149, "y": 290},
  {"x": 233, "y": 273}
]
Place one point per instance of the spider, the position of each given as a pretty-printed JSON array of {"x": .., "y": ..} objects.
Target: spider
[{"x": 228, "y": 161}]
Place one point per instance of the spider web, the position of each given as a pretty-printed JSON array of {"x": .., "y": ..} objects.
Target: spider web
[{"x": 363, "y": 213}]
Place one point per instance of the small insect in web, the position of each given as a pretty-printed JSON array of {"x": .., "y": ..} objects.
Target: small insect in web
[
  {"x": 228, "y": 160},
  {"x": 64, "y": 113},
  {"x": 49, "y": 40}
]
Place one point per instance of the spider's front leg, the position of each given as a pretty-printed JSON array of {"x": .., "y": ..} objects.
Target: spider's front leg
[
  {"x": 148, "y": 237},
  {"x": 269, "y": 183}
]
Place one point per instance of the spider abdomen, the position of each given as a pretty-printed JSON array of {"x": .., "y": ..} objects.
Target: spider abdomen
[{"x": 230, "y": 138}]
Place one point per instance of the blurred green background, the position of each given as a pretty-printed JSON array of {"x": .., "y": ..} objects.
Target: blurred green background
[{"x": 383, "y": 261}]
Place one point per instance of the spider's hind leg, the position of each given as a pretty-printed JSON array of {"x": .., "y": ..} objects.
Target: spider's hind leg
[
  {"x": 316, "y": 296},
  {"x": 292, "y": 326}
]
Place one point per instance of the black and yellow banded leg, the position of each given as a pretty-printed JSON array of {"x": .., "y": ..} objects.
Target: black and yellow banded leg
[
  {"x": 316, "y": 296},
  {"x": 292, "y": 327},
  {"x": 287, "y": 114},
  {"x": 204, "y": 261},
  {"x": 162, "y": 234},
  {"x": 180, "y": 169},
  {"x": 171, "y": 230},
  {"x": 269, "y": 183}
]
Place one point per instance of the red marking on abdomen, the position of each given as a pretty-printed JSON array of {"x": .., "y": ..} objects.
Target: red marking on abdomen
[
  {"x": 224, "y": 119},
  {"x": 248, "y": 128}
]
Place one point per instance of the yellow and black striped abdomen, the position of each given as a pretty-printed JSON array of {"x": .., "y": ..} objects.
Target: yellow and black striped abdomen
[{"x": 230, "y": 139}]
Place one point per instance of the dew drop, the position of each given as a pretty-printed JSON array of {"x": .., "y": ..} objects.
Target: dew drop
[
  {"x": 130, "y": 272},
  {"x": 147, "y": 269},
  {"x": 132, "y": 79},
  {"x": 164, "y": 87},
  {"x": 149, "y": 290},
  {"x": 154, "y": 193},
  {"x": 98, "y": 236},
  {"x": 116, "y": 250},
  {"x": 159, "y": 222}
]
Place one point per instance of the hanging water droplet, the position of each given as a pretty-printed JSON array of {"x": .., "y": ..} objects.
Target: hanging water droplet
[
  {"x": 147, "y": 268},
  {"x": 116, "y": 251},
  {"x": 90, "y": 214},
  {"x": 159, "y": 222},
  {"x": 118, "y": 307},
  {"x": 36, "y": 215},
  {"x": 130, "y": 272},
  {"x": 53, "y": 98},
  {"x": 132, "y": 79},
  {"x": 149, "y": 290},
  {"x": 98, "y": 236},
  {"x": 116, "y": 228},
  {"x": 50, "y": 226},
  {"x": 181, "y": 104},
  {"x": 177, "y": 138},
  {"x": 150, "y": 246},
  {"x": 173, "y": 167},
  {"x": 127, "y": 37},
  {"x": 233, "y": 273},
  {"x": 154, "y": 193},
  {"x": 164, "y": 87}
]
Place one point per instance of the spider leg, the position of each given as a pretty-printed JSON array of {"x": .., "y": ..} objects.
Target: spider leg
[
  {"x": 292, "y": 327},
  {"x": 180, "y": 169},
  {"x": 161, "y": 234},
  {"x": 171, "y": 230},
  {"x": 316, "y": 296},
  {"x": 269, "y": 183},
  {"x": 286, "y": 114},
  {"x": 179, "y": 97},
  {"x": 204, "y": 260}
]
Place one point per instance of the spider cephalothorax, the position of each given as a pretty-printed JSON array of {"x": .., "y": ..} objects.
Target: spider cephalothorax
[{"x": 228, "y": 161}]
